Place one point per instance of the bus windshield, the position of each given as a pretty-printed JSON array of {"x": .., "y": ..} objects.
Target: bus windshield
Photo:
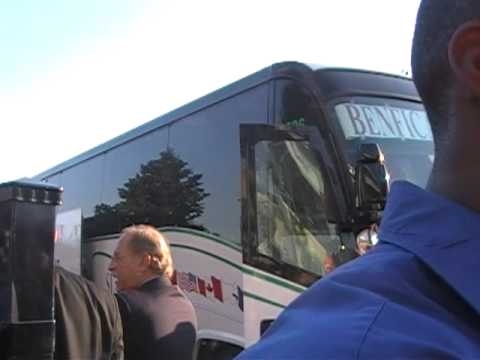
[{"x": 401, "y": 129}]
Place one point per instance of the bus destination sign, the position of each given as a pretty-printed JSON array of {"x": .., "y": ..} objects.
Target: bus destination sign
[{"x": 383, "y": 121}]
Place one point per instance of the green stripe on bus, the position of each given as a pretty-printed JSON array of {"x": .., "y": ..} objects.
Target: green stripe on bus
[
  {"x": 103, "y": 253},
  {"x": 102, "y": 238},
  {"x": 246, "y": 270},
  {"x": 239, "y": 267},
  {"x": 204, "y": 235},
  {"x": 271, "y": 279},
  {"x": 259, "y": 298}
]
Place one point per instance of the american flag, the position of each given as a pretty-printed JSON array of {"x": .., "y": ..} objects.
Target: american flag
[{"x": 187, "y": 281}]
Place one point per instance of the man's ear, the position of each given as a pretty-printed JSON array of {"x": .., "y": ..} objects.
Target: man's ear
[
  {"x": 146, "y": 260},
  {"x": 464, "y": 56}
]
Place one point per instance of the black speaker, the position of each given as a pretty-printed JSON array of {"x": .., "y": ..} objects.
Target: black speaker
[{"x": 27, "y": 230}]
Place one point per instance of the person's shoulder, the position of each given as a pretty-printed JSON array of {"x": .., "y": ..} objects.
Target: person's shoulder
[
  {"x": 379, "y": 267},
  {"x": 385, "y": 274},
  {"x": 144, "y": 301},
  {"x": 80, "y": 284},
  {"x": 66, "y": 278},
  {"x": 181, "y": 300},
  {"x": 154, "y": 290},
  {"x": 333, "y": 318},
  {"x": 330, "y": 320},
  {"x": 132, "y": 300},
  {"x": 138, "y": 304}
]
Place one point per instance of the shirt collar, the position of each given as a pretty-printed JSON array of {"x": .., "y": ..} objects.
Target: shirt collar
[{"x": 443, "y": 234}]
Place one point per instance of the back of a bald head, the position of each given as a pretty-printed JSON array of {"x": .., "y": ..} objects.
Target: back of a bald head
[{"x": 437, "y": 21}]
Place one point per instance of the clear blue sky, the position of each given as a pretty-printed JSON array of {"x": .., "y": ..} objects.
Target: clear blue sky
[
  {"x": 75, "y": 73},
  {"x": 39, "y": 35}
]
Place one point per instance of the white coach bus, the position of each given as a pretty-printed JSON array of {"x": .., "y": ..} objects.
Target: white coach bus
[{"x": 260, "y": 187}]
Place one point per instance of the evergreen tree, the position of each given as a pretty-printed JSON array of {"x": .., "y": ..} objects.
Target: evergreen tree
[{"x": 165, "y": 192}]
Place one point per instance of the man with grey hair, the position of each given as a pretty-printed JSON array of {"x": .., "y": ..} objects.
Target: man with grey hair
[
  {"x": 158, "y": 320},
  {"x": 416, "y": 295}
]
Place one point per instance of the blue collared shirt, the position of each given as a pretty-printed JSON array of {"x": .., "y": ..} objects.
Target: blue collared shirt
[{"x": 415, "y": 296}]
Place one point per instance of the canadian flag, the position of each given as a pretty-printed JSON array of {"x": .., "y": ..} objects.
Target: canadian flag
[{"x": 213, "y": 287}]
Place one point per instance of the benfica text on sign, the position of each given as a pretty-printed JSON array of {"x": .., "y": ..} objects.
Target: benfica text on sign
[{"x": 383, "y": 121}]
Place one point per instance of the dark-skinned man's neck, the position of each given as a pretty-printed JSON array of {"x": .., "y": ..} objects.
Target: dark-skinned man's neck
[
  {"x": 456, "y": 171},
  {"x": 458, "y": 183}
]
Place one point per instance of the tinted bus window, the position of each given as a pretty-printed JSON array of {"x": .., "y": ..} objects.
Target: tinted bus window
[
  {"x": 292, "y": 219},
  {"x": 124, "y": 162},
  {"x": 294, "y": 106},
  {"x": 82, "y": 185},
  {"x": 209, "y": 142},
  {"x": 305, "y": 229},
  {"x": 131, "y": 181}
]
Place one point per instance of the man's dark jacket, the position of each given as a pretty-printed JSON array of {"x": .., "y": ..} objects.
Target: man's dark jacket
[
  {"x": 159, "y": 322},
  {"x": 88, "y": 323}
]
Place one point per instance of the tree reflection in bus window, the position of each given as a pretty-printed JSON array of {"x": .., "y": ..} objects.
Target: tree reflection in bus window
[
  {"x": 164, "y": 192},
  {"x": 292, "y": 222},
  {"x": 209, "y": 141}
]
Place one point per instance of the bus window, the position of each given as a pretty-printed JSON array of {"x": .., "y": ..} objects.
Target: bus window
[
  {"x": 292, "y": 219},
  {"x": 82, "y": 184},
  {"x": 125, "y": 162},
  {"x": 209, "y": 142},
  {"x": 294, "y": 107},
  {"x": 217, "y": 350}
]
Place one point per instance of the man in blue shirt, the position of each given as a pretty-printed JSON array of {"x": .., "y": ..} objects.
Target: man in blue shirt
[{"x": 416, "y": 295}]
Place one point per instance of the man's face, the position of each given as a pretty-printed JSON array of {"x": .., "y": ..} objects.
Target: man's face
[
  {"x": 363, "y": 247},
  {"x": 126, "y": 266},
  {"x": 328, "y": 264}
]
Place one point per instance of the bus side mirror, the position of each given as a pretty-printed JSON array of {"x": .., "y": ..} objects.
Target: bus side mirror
[{"x": 371, "y": 179}]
